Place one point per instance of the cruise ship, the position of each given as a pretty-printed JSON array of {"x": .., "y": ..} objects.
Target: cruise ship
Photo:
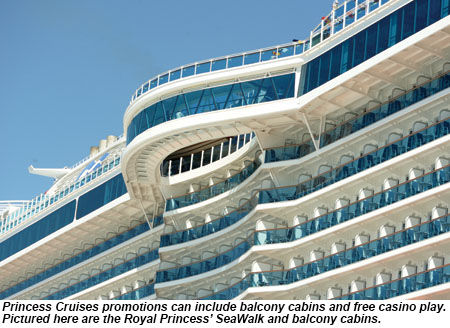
[{"x": 317, "y": 169}]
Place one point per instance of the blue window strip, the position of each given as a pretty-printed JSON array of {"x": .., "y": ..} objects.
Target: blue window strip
[
  {"x": 104, "y": 246},
  {"x": 207, "y": 100},
  {"x": 101, "y": 195},
  {"x": 371, "y": 41}
]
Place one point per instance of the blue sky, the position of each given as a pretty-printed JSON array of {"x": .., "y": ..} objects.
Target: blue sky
[{"x": 68, "y": 67}]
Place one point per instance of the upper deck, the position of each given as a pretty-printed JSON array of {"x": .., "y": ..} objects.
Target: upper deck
[{"x": 342, "y": 16}]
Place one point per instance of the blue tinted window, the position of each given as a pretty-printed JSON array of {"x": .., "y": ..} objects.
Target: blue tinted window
[
  {"x": 298, "y": 49},
  {"x": 435, "y": 11},
  {"x": 421, "y": 14},
  {"x": 381, "y": 35},
  {"x": 233, "y": 95},
  {"x": 324, "y": 68},
  {"x": 408, "y": 20},
  {"x": 360, "y": 45},
  {"x": 336, "y": 61},
  {"x": 371, "y": 41}
]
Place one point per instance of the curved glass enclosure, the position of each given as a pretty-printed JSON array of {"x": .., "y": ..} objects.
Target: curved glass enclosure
[{"x": 212, "y": 99}]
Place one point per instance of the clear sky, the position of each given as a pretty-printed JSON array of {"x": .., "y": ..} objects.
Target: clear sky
[{"x": 69, "y": 67}]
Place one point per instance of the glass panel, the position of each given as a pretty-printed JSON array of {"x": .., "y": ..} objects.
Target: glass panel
[
  {"x": 408, "y": 20},
  {"x": 360, "y": 43},
  {"x": 153, "y": 83},
  {"x": 284, "y": 86},
  {"x": 175, "y": 75},
  {"x": 169, "y": 105},
  {"x": 180, "y": 108},
  {"x": 235, "y": 61},
  {"x": 269, "y": 54},
  {"x": 286, "y": 51},
  {"x": 235, "y": 97},
  {"x": 175, "y": 166},
  {"x": 219, "y": 64},
  {"x": 361, "y": 8},
  {"x": 299, "y": 48},
  {"x": 216, "y": 153},
  {"x": 197, "y": 161},
  {"x": 251, "y": 58},
  {"x": 383, "y": 34},
  {"x": 186, "y": 163},
  {"x": 324, "y": 68},
  {"x": 163, "y": 79},
  {"x": 221, "y": 95},
  {"x": 193, "y": 99},
  {"x": 188, "y": 71},
  {"x": 203, "y": 68},
  {"x": 160, "y": 116},
  {"x": 251, "y": 90},
  {"x": 421, "y": 14},
  {"x": 206, "y": 103}
]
